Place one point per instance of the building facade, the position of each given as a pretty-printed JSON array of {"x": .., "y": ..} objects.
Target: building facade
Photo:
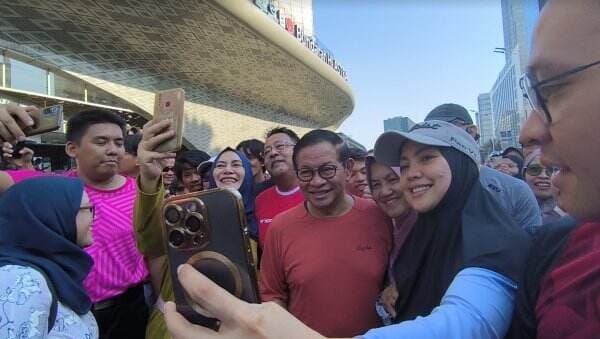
[
  {"x": 485, "y": 121},
  {"x": 508, "y": 104},
  {"x": 242, "y": 72},
  {"x": 400, "y": 124}
]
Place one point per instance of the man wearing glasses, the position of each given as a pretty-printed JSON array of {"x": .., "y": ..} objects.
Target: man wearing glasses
[
  {"x": 325, "y": 260},
  {"x": 511, "y": 193},
  {"x": 285, "y": 193},
  {"x": 558, "y": 297}
]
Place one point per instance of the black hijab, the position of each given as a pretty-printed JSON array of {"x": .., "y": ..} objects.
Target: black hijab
[
  {"x": 38, "y": 228},
  {"x": 466, "y": 229}
]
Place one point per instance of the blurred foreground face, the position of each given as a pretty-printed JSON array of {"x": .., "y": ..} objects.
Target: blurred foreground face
[
  {"x": 387, "y": 190},
  {"x": 568, "y": 36}
]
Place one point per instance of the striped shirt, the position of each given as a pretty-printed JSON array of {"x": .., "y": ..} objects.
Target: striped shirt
[{"x": 118, "y": 265}]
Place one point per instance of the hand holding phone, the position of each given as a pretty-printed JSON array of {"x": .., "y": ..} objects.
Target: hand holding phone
[
  {"x": 47, "y": 120},
  {"x": 208, "y": 230},
  {"x": 168, "y": 105}
]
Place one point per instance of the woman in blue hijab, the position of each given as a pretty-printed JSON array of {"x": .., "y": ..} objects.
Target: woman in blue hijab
[
  {"x": 44, "y": 222},
  {"x": 232, "y": 169}
]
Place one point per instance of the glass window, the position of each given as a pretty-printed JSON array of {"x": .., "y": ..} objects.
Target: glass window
[
  {"x": 64, "y": 87},
  {"x": 101, "y": 97},
  {"x": 27, "y": 77}
]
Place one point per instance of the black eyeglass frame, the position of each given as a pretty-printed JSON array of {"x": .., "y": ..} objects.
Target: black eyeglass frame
[
  {"x": 529, "y": 81},
  {"x": 549, "y": 170},
  {"x": 317, "y": 170}
]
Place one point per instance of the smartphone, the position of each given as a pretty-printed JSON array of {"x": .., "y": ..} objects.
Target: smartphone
[
  {"x": 19, "y": 146},
  {"x": 168, "y": 105},
  {"x": 208, "y": 230},
  {"x": 47, "y": 120}
]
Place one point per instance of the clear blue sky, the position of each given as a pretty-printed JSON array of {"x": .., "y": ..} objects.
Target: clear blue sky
[{"x": 404, "y": 57}]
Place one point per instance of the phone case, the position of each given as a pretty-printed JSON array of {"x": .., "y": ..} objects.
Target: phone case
[
  {"x": 47, "y": 120},
  {"x": 169, "y": 105},
  {"x": 208, "y": 230}
]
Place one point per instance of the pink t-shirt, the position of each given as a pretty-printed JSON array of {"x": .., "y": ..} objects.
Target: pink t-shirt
[
  {"x": 20, "y": 175},
  {"x": 118, "y": 265}
]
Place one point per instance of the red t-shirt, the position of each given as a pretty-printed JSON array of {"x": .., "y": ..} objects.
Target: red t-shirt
[
  {"x": 568, "y": 305},
  {"x": 270, "y": 203},
  {"x": 328, "y": 271}
]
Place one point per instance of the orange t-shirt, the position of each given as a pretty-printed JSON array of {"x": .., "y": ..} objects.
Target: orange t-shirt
[{"x": 328, "y": 271}]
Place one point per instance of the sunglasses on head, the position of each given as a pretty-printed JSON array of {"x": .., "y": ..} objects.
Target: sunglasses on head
[{"x": 535, "y": 170}]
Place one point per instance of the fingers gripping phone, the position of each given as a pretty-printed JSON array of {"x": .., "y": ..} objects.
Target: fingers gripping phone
[
  {"x": 208, "y": 230},
  {"x": 168, "y": 105},
  {"x": 47, "y": 120}
]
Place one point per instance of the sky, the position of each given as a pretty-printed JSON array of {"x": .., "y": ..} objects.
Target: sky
[{"x": 404, "y": 57}]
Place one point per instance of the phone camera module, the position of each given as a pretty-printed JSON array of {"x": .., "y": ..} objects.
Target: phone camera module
[
  {"x": 176, "y": 238},
  {"x": 194, "y": 222},
  {"x": 173, "y": 214}
]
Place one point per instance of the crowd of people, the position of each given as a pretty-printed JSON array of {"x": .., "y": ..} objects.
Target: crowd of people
[{"x": 418, "y": 237}]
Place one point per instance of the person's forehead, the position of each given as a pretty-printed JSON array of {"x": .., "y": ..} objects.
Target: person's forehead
[
  {"x": 567, "y": 35},
  {"x": 104, "y": 130},
  {"x": 359, "y": 164},
  {"x": 229, "y": 156},
  {"x": 277, "y": 138},
  {"x": 320, "y": 153}
]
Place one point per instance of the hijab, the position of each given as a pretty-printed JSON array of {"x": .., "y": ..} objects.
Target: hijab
[
  {"x": 246, "y": 189},
  {"x": 466, "y": 229},
  {"x": 38, "y": 228}
]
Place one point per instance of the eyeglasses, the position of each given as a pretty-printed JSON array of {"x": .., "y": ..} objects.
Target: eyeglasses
[
  {"x": 167, "y": 169},
  {"x": 532, "y": 87},
  {"x": 535, "y": 170},
  {"x": 278, "y": 147},
  {"x": 325, "y": 171},
  {"x": 91, "y": 208}
]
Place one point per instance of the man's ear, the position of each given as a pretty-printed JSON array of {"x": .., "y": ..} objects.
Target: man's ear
[
  {"x": 71, "y": 149},
  {"x": 348, "y": 167}
]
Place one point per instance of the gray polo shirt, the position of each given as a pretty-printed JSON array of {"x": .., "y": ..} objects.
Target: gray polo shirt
[{"x": 515, "y": 196}]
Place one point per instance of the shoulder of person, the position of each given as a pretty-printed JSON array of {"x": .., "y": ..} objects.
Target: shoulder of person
[
  {"x": 497, "y": 181},
  {"x": 288, "y": 218},
  {"x": 27, "y": 286},
  {"x": 265, "y": 194}
]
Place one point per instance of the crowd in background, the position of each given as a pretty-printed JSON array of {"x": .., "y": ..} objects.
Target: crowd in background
[{"x": 417, "y": 237}]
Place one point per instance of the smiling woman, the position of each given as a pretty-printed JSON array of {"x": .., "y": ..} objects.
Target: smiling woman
[
  {"x": 469, "y": 246},
  {"x": 232, "y": 169}
]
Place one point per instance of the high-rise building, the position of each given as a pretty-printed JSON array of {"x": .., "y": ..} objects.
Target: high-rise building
[
  {"x": 400, "y": 124},
  {"x": 244, "y": 68},
  {"x": 508, "y": 104},
  {"x": 485, "y": 121}
]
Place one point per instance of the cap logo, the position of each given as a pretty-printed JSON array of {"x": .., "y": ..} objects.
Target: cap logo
[
  {"x": 425, "y": 125},
  {"x": 458, "y": 144}
]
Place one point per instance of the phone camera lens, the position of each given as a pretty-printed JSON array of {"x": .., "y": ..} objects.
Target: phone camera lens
[
  {"x": 194, "y": 222},
  {"x": 173, "y": 214},
  {"x": 176, "y": 238}
]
